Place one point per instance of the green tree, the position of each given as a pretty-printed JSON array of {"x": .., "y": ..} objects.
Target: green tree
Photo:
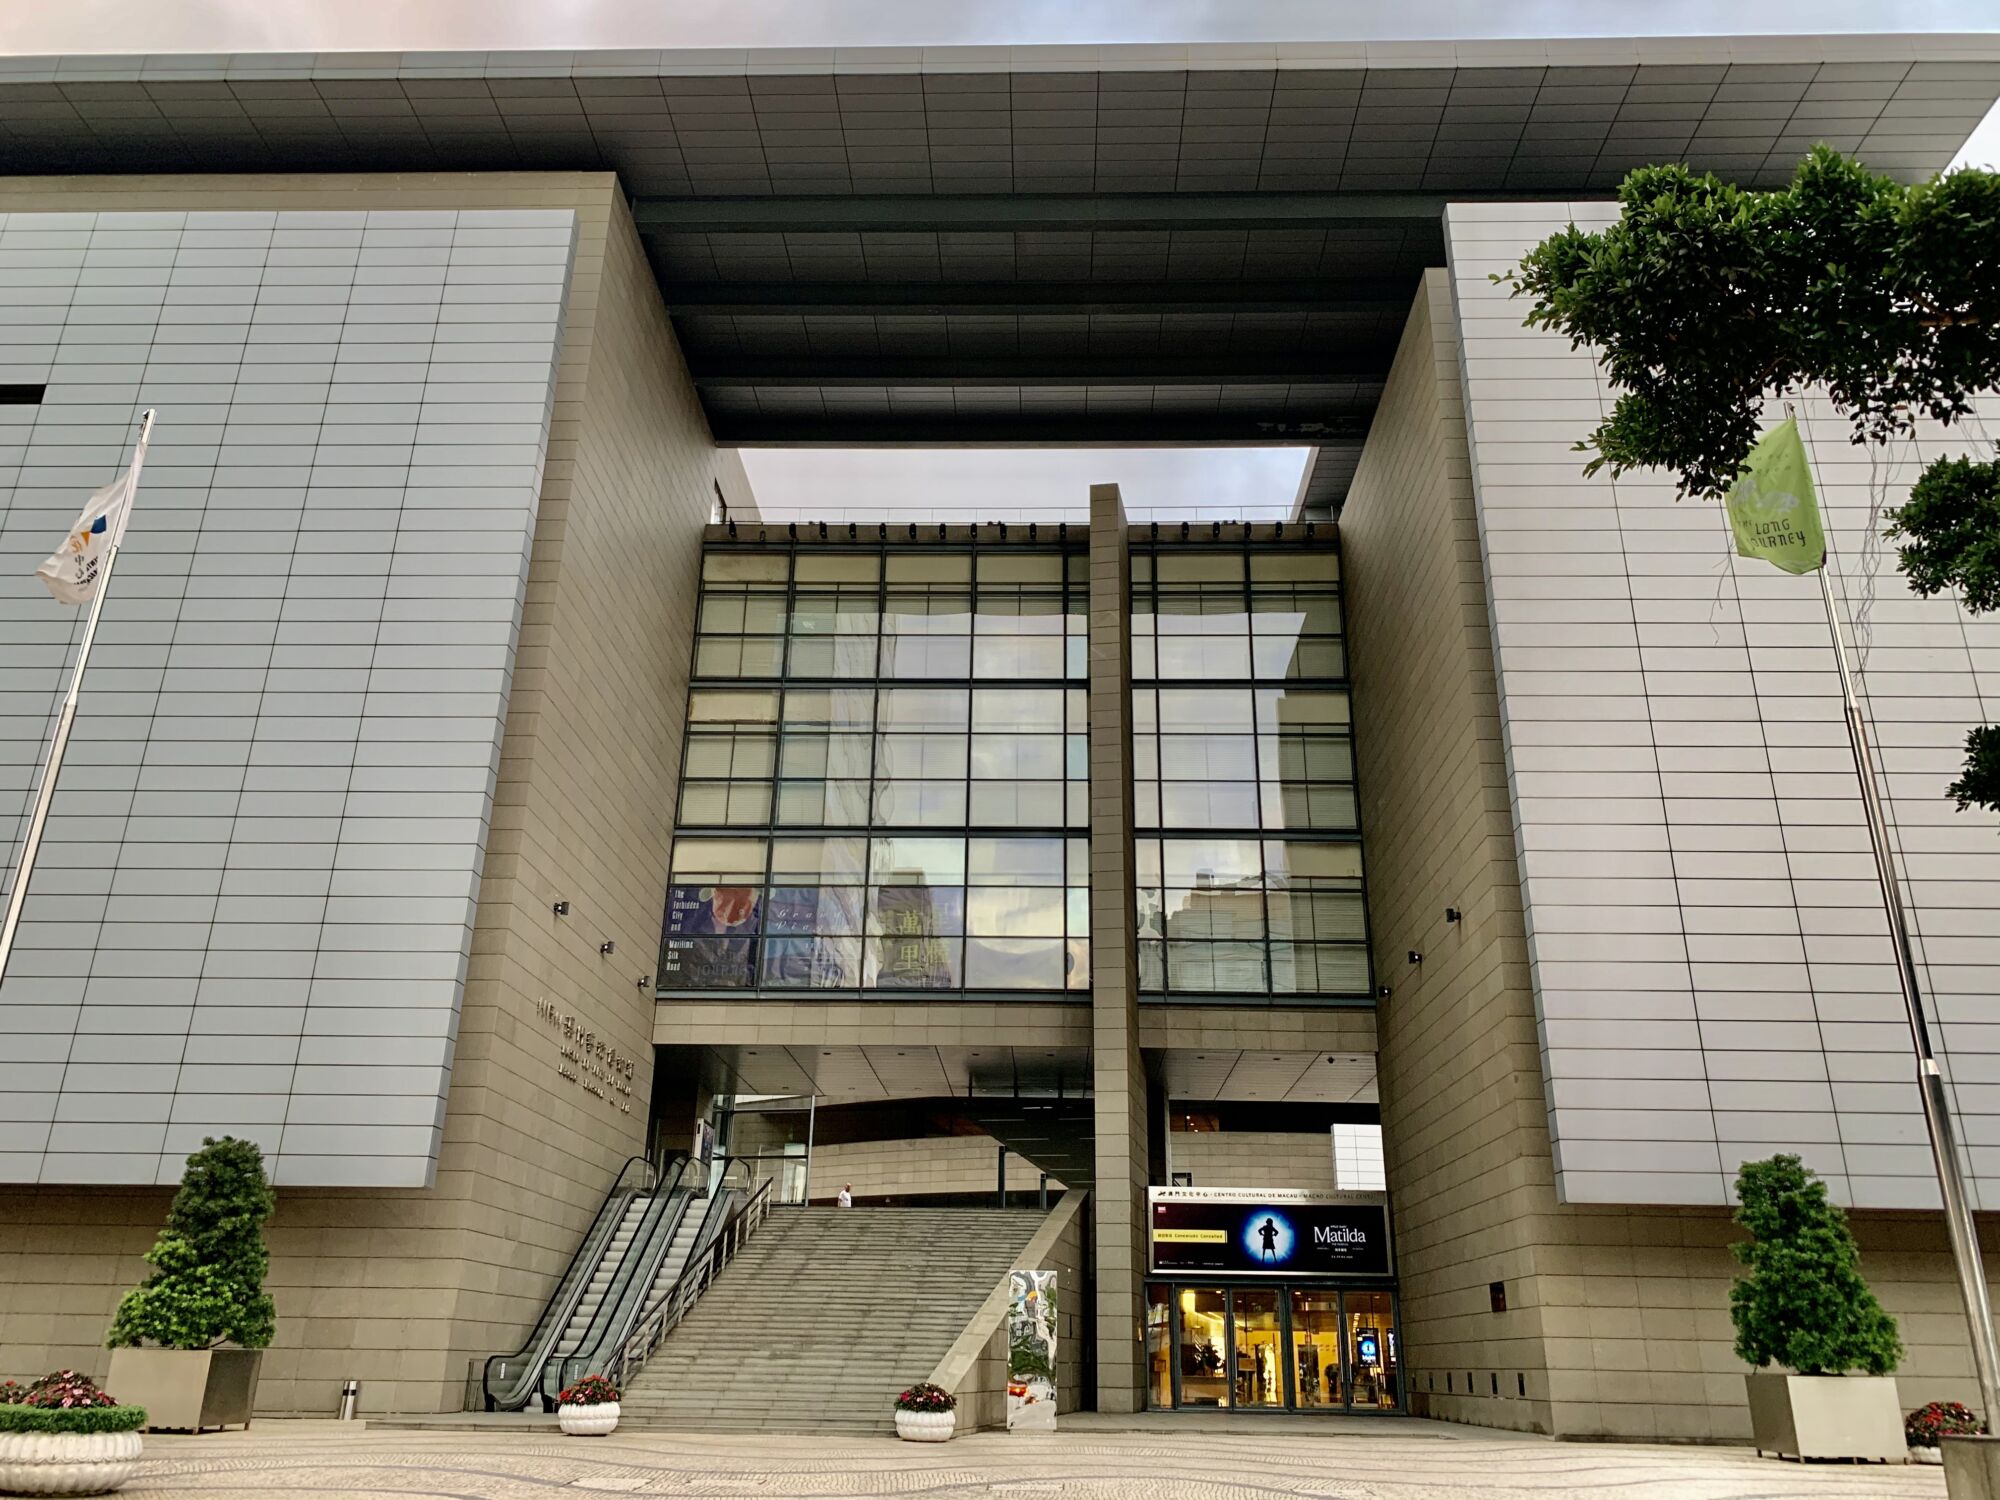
[
  {"x": 1705, "y": 299},
  {"x": 209, "y": 1262},
  {"x": 1804, "y": 1303}
]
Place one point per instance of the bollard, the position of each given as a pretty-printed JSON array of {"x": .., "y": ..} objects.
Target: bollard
[{"x": 350, "y": 1400}]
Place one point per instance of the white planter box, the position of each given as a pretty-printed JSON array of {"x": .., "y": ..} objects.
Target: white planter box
[
  {"x": 926, "y": 1426},
  {"x": 1827, "y": 1416},
  {"x": 186, "y": 1390},
  {"x": 588, "y": 1421},
  {"x": 1972, "y": 1468},
  {"x": 89, "y": 1463}
]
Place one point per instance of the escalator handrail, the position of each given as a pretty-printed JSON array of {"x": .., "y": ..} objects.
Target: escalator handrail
[
  {"x": 705, "y": 1263},
  {"x": 625, "y": 1294},
  {"x": 568, "y": 1288}
]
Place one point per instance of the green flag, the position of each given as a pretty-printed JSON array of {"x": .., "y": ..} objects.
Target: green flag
[{"x": 1771, "y": 506}]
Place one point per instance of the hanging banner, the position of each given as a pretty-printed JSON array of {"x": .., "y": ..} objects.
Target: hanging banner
[
  {"x": 709, "y": 939},
  {"x": 1031, "y": 1353},
  {"x": 1274, "y": 1233}
]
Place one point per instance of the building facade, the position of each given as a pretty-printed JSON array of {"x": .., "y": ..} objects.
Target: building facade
[{"x": 473, "y": 790}]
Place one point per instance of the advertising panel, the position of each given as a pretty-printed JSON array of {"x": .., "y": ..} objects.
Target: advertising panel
[
  {"x": 711, "y": 936},
  {"x": 1031, "y": 1352},
  {"x": 1278, "y": 1233}
]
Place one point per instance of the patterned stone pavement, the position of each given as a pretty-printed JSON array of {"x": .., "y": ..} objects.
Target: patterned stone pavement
[{"x": 1250, "y": 1460}]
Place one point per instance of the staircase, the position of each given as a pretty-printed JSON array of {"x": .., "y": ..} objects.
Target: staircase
[{"x": 824, "y": 1316}]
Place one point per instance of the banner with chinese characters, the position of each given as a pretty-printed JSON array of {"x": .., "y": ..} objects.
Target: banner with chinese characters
[{"x": 1031, "y": 1353}]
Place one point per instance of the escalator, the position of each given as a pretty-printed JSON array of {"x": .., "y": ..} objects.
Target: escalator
[{"x": 613, "y": 1272}]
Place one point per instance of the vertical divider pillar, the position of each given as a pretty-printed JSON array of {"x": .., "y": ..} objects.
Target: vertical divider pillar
[{"x": 1118, "y": 1069}]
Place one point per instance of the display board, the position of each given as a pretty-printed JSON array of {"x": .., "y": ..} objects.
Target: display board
[{"x": 1273, "y": 1233}]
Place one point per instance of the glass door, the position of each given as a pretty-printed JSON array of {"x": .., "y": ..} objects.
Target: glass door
[
  {"x": 1204, "y": 1342},
  {"x": 1316, "y": 1350},
  {"x": 1374, "y": 1378},
  {"x": 1258, "y": 1353}
]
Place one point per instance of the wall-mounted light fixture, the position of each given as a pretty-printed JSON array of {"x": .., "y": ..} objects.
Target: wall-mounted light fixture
[
  {"x": 1382, "y": 992},
  {"x": 1416, "y": 957},
  {"x": 607, "y": 947},
  {"x": 645, "y": 981},
  {"x": 562, "y": 908},
  {"x": 1453, "y": 914}
]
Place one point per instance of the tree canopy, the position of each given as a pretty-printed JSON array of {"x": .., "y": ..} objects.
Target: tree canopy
[
  {"x": 209, "y": 1262},
  {"x": 1704, "y": 300}
]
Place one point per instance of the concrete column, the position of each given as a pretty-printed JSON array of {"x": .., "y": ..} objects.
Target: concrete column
[{"x": 1119, "y": 1081}]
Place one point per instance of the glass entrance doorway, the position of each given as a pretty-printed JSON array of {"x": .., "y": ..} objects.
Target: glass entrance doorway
[{"x": 1272, "y": 1348}]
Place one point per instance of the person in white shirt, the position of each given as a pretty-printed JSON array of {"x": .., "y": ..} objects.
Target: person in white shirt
[{"x": 845, "y": 1198}]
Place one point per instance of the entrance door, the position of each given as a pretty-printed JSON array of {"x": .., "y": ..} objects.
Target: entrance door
[
  {"x": 1316, "y": 1346},
  {"x": 1259, "y": 1353},
  {"x": 1374, "y": 1379},
  {"x": 1204, "y": 1344}
]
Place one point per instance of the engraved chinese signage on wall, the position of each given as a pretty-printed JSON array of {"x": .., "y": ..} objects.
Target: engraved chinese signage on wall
[{"x": 586, "y": 1059}]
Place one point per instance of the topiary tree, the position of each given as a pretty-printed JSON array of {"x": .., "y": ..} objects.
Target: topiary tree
[
  {"x": 1704, "y": 300},
  {"x": 1804, "y": 1303},
  {"x": 207, "y": 1286}
]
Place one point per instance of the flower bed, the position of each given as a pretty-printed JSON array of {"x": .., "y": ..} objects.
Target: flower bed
[
  {"x": 64, "y": 1436},
  {"x": 1940, "y": 1419}
]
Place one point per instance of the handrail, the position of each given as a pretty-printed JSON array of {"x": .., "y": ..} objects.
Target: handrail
[
  {"x": 569, "y": 1291},
  {"x": 705, "y": 1265}
]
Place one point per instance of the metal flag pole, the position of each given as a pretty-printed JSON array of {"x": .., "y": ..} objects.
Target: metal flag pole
[
  {"x": 1930, "y": 1082},
  {"x": 17, "y": 897}
]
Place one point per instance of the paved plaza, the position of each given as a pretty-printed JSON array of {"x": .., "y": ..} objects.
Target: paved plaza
[{"x": 1247, "y": 1458}]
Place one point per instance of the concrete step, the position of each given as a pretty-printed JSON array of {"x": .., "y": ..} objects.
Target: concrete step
[{"x": 823, "y": 1316}]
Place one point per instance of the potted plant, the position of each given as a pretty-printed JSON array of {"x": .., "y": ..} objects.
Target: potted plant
[
  {"x": 1939, "y": 1419},
  {"x": 64, "y": 1436},
  {"x": 924, "y": 1414},
  {"x": 206, "y": 1291},
  {"x": 589, "y": 1408},
  {"x": 1804, "y": 1305}
]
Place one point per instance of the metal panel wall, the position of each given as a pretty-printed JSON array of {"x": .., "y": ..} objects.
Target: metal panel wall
[
  {"x": 254, "y": 906},
  {"x": 1712, "y": 969}
]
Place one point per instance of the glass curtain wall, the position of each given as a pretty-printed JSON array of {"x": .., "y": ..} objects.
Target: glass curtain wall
[
  {"x": 1249, "y": 845},
  {"x": 885, "y": 776}
]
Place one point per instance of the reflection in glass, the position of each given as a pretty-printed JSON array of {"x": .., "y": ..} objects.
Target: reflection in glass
[
  {"x": 1371, "y": 1348},
  {"x": 1316, "y": 1349},
  {"x": 1204, "y": 1341},
  {"x": 1159, "y": 1349},
  {"x": 1259, "y": 1361}
]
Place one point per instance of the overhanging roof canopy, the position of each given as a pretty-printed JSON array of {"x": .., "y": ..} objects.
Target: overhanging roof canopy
[{"x": 1033, "y": 245}]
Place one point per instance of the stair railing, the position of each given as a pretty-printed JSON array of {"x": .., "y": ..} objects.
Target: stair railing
[
  {"x": 705, "y": 1263},
  {"x": 508, "y": 1381}
]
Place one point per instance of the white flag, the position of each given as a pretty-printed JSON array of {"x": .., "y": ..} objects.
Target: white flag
[{"x": 74, "y": 568}]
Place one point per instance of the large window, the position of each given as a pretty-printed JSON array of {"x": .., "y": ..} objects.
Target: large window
[
  {"x": 1249, "y": 858},
  {"x": 885, "y": 778}
]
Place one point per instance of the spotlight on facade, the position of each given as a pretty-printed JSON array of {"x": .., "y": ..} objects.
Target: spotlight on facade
[
  {"x": 1416, "y": 957},
  {"x": 1184, "y": 531},
  {"x": 562, "y": 908},
  {"x": 732, "y": 531},
  {"x": 822, "y": 531},
  {"x": 1278, "y": 531},
  {"x": 1453, "y": 914},
  {"x": 793, "y": 528},
  {"x": 850, "y": 531},
  {"x": 645, "y": 981},
  {"x": 1032, "y": 528},
  {"x": 913, "y": 531},
  {"x": 607, "y": 948}
]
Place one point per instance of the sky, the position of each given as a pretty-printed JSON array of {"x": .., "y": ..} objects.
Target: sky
[{"x": 208, "y": 26}]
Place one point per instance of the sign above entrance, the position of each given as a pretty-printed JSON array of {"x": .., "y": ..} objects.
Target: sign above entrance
[{"x": 1284, "y": 1232}]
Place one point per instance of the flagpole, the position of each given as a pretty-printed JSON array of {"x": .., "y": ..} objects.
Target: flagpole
[
  {"x": 45, "y": 795},
  {"x": 1930, "y": 1082}
]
